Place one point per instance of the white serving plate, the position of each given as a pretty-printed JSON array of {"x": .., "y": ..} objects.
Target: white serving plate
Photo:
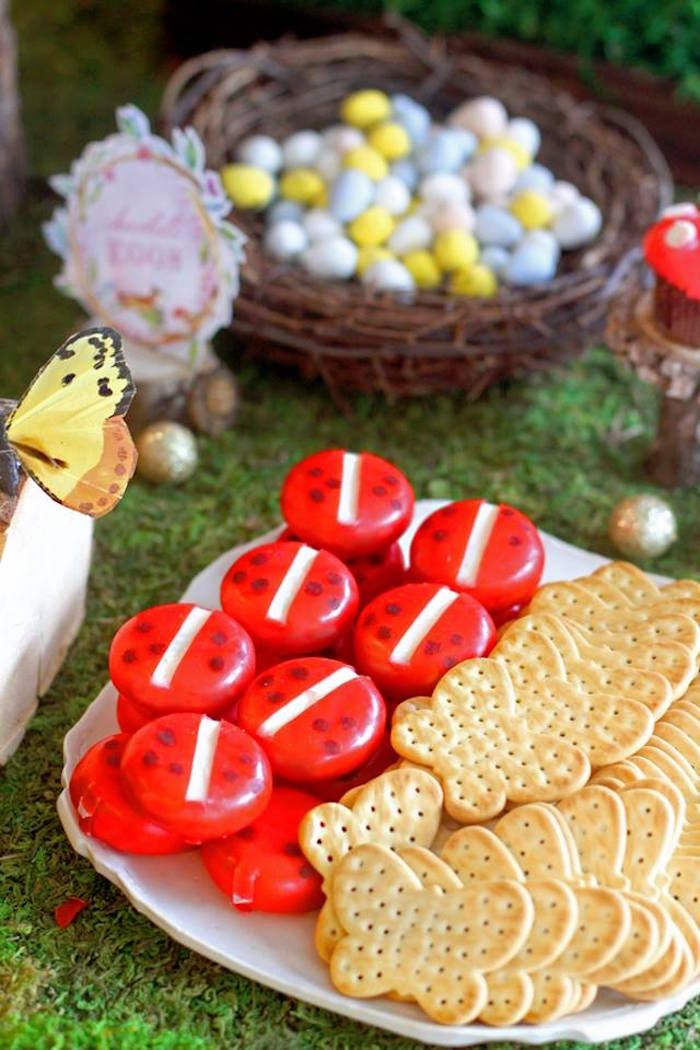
[{"x": 176, "y": 893}]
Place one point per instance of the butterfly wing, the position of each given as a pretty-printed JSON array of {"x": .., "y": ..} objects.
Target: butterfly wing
[{"x": 68, "y": 430}]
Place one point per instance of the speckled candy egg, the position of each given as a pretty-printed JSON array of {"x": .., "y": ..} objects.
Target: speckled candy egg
[
  {"x": 443, "y": 188},
  {"x": 578, "y": 223},
  {"x": 364, "y": 108},
  {"x": 332, "y": 260},
  {"x": 530, "y": 263},
  {"x": 493, "y": 173},
  {"x": 301, "y": 149},
  {"x": 390, "y": 139},
  {"x": 393, "y": 195},
  {"x": 415, "y": 118},
  {"x": 249, "y": 188},
  {"x": 284, "y": 211},
  {"x": 423, "y": 269},
  {"x": 444, "y": 151},
  {"x": 455, "y": 250},
  {"x": 545, "y": 240},
  {"x": 329, "y": 163},
  {"x": 476, "y": 282},
  {"x": 497, "y": 226},
  {"x": 285, "y": 240},
  {"x": 371, "y": 227},
  {"x": 352, "y": 193},
  {"x": 525, "y": 132},
  {"x": 486, "y": 117},
  {"x": 453, "y": 216},
  {"x": 342, "y": 137},
  {"x": 303, "y": 185},
  {"x": 496, "y": 259},
  {"x": 319, "y": 224},
  {"x": 388, "y": 275},
  {"x": 531, "y": 209},
  {"x": 261, "y": 151},
  {"x": 536, "y": 177},
  {"x": 412, "y": 233},
  {"x": 407, "y": 171},
  {"x": 367, "y": 160}
]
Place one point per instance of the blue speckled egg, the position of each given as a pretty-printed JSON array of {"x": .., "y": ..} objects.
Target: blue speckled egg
[
  {"x": 497, "y": 226},
  {"x": 407, "y": 171},
  {"x": 284, "y": 211},
  {"x": 536, "y": 177},
  {"x": 413, "y": 117},
  {"x": 444, "y": 151},
  {"x": 529, "y": 264},
  {"x": 496, "y": 259},
  {"x": 545, "y": 240},
  {"x": 351, "y": 194}
]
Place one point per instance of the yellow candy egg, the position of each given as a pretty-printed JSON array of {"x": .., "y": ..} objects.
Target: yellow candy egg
[
  {"x": 367, "y": 257},
  {"x": 390, "y": 139},
  {"x": 303, "y": 185},
  {"x": 455, "y": 250},
  {"x": 249, "y": 188},
  {"x": 372, "y": 226},
  {"x": 423, "y": 269},
  {"x": 520, "y": 155},
  {"x": 477, "y": 281},
  {"x": 364, "y": 108},
  {"x": 368, "y": 160},
  {"x": 532, "y": 209}
]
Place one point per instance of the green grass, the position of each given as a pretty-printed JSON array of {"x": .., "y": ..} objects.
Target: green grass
[{"x": 564, "y": 448}]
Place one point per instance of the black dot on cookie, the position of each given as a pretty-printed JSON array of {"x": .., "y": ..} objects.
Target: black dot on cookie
[
  {"x": 114, "y": 761},
  {"x": 383, "y": 633},
  {"x": 430, "y": 648},
  {"x": 129, "y": 656},
  {"x": 150, "y": 758},
  {"x": 316, "y": 496},
  {"x": 306, "y": 871},
  {"x": 217, "y": 663},
  {"x": 239, "y": 576},
  {"x": 292, "y": 849},
  {"x": 314, "y": 588},
  {"x": 275, "y": 698},
  {"x": 245, "y": 759},
  {"x": 144, "y": 626},
  {"x": 300, "y": 673},
  {"x": 334, "y": 578},
  {"x": 315, "y": 472},
  {"x": 333, "y": 604},
  {"x": 219, "y": 638},
  {"x": 260, "y": 558},
  {"x": 514, "y": 541},
  {"x": 440, "y": 534},
  {"x": 456, "y": 639},
  {"x": 332, "y": 483},
  {"x": 260, "y": 584},
  {"x": 379, "y": 490},
  {"x": 347, "y": 722},
  {"x": 231, "y": 775},
  {"x": 157, "y": 648},
  {"x": 392, "y": 609},
  {"x": 177, "y": 768},
  {"x": 320, "y": 725},
  {"x": 396, "y": 504},
  {"x": 331, "y": 747},
  {"x": 166, "y": 737}
]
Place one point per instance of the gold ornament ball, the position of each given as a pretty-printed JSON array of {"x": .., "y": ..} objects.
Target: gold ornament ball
[
  {"x": 167, "y": 453},
  {"x": 642, "y": 526}
]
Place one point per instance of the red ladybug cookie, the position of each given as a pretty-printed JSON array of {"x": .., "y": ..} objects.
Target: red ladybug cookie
[
  {"x": 291, "y": 598},
  {"x": 316, "y": 718},
  {"x": 131, "y": 716},
  {"x": 181, "y": 657},
  {"x": 104, "y": 810},
  {"x": 261, "y": 867},
  {"x": 347, "y": 502},
  {"x": 492, "y": 552},
  {"x": 409, "y": 637},
  {"x": 199, "y": 777}
]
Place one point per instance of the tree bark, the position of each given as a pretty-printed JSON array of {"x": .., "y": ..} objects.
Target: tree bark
[
  {"x": 11, "y": 142},
  {"x": 675, "y": 459}
]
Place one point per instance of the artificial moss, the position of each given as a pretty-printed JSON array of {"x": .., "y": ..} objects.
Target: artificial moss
[{"x": 565, "y": 448}]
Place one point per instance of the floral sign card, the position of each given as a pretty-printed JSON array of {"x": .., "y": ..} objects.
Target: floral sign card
[{"x": 145, "y": 244}]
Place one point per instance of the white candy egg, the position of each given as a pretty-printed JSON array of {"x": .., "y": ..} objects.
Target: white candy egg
[
  {"x": 351, "y": 194},
  {"x": 285, "y": 240},
  {"x": 537, "y": 178},
  {"x": 414, "y": 232},
  {"x": 282, "y": 210},
  {"x": 393, "y": 195},
  {"x": 329, "y": 163},
  {"x": 562, "y": 194},
  {"x": 493, "y": 173},
  {"x": 443, "y": 188},
  {"x": 260, "y": 151},
  {"x": 529, "y": 264},
  {"x": 578, "y": 223},
  {"x": 320, "y": 224},
  {"x": 497, "y": 226},
  {"x": 301, "y": 149},
  {"x": 332, "y": 260},
  {"x": 496, "y": 259},
  {"x": 388, "y": 275},
  {"x": 342, "y": 137},
  {"x": 526, "y": 133},
  {"x": 485, "y": 117},
  {"x": 453, "y": 215}
]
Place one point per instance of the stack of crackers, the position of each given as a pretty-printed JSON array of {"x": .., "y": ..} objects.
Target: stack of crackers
[{"x": 540, "y": 837}]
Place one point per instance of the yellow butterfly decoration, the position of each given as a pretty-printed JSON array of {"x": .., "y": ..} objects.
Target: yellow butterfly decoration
[{"x": 68, "y": 430}]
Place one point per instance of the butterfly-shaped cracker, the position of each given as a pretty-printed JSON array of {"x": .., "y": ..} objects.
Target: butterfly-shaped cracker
[{"x": 68, "y": 429}]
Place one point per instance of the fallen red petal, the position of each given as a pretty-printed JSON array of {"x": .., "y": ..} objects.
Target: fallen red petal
[{"x": 66, "y": 912}]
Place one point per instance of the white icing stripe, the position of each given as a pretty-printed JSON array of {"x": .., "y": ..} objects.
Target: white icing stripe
[
  {"x": 423, "y": 623},
  {"x": 287, "y": 591},
  {"x": 175, "y": 653},
  {"x": 349, "y": 489},
  {"x": 203, "y": 760},
  {"x": 305, "y": 700},
  {"x": 477, "y": 543}
]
